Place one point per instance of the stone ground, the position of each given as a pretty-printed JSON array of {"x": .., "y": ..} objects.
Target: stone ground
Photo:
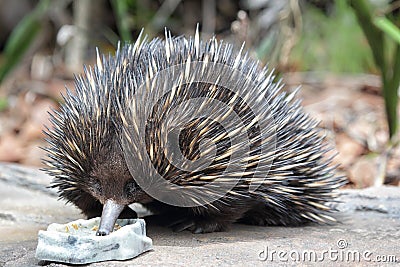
[{"x": 368, "y": 234}]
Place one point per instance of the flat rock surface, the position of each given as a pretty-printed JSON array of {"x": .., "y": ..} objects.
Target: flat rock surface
[{"x": 368, "y": 234}]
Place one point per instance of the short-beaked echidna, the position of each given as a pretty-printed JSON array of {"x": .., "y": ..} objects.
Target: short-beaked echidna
[{"x": 194, "y": 129}]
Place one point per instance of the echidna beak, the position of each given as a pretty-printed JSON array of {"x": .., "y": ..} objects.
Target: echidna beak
[{"x": 109, "y": 216}]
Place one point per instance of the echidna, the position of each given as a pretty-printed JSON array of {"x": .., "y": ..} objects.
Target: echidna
[{"x": 195, "y": 129}]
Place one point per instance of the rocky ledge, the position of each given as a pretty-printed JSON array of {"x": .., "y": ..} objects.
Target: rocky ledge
[{"x": 369, "y": 231}]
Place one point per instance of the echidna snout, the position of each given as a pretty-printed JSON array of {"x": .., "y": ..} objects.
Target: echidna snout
[{"x": 111, "y": 211}]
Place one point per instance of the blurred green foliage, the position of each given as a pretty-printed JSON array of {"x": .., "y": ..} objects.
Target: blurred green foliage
[
  {"x": 384, "y": 39},
  {"x": 132, "y": 15},
  {"x": 22, "y": 37},
  {"x": 268, "y": 49},
  {"x": 332, "y": 42},
  {"x": 124, "y": 18},
  {"x": 3, "y": 104}
]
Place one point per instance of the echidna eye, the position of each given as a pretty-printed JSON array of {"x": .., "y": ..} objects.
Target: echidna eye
[{"x": 130, "y": 188}]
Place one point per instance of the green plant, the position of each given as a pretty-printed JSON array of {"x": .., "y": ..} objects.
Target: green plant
[
  {"x": 132, "y": 15},
  {"x": 331, "y": 42},
  {"x": 123, "y": 18},
  {"x": 3, "y": 104},
  {"x": 384, "y": 39},
  {"x": 22, "y": 37}
]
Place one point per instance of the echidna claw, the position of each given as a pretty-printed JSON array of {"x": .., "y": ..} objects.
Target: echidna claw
[
  {"x": 181, "y": 225},
  {"x": 198, "y": 230},
  {"x": 198, "y": 226},
  {"x": 176, "y": 222}
]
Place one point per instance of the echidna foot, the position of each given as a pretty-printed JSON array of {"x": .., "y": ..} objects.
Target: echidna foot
[
  {"x": 253, "y": 220},
  {"x": 199, "y": 225}
]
